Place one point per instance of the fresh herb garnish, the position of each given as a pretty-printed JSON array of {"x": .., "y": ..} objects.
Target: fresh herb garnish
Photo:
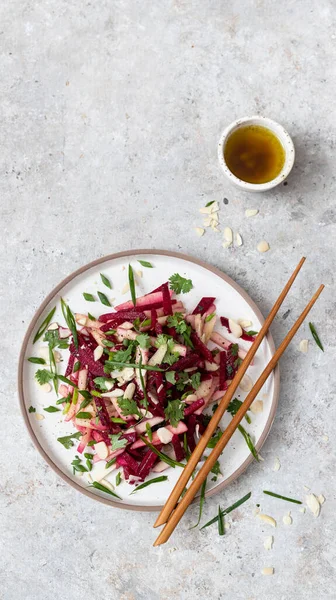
[
  {"x": 128, "y": 407},
  {"x": 70, "y": 321},
  {"x": 174, "y": 412},
  {"x": 44, "y": 325},
  {"x": 146, "y": 483},
  {"x": 209, "y": 317},
  {"x": 234, "y": 349},
  {"x": 116, "y": 442},
  {"x": 195, "y": 380},
  {"x": 52, "y": 365},
  {"x": 201, "y": 504},
  {"x": 234, "y": 406},
  {"x": 76, "y": 366},
  {"x": 143, "y": 386},
  {"x": 170, "y": 461},
  {"x": 216, "y": 471},
  {"x": 180, "y": 284},
  {"x": 282, "y": 497},
  {"x": 210, "y": 203},
  {"x": 52, "y": 409},
  {"x": 83, "y": 415},
  {"x": 89, "y": 297},
  {"x": 67, "y": 381},
  {"x": 149, "y": 432},
  {"x": 36, "y": 360},
  {"x": 170, "y": 377},
  {"x": 66, "y": 440},
  {"x": 226, "y": 511},
  {"x": 43, "y": 376},
  {"x": 143, "y": 340},
  {"x": 77, "y": 466},
  {"x": 105, "y": 280},
  {"x": 103, "y": 299},
  {"x": 146, "y": 264},
  {"x": 100, "y": 382},
  {"x": 221, "y": 529},
  {"x": 131, "y": 284},
  {"x": 91, "y": 443},
  {"x": 31, "y": 409},
  {"x": 118, "y": 479},
  {"x": 118, "y": 420},
  {"x": 178, "y": 322},
  {"x": 248, "y": 441},
  {"x": 215, "y": 438},
  {"x": 110, "y": 463},
  {"x": 110, "y": 365},
  {"x": 85, "y": 403},
  {"x": 111, "y": 332},
  {"x": 102, "y": 488},
  {"x": 315, "y": 336},
  {"x": 251, "y": 333}
]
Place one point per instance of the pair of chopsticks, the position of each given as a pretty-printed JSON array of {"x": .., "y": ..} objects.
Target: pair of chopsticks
[{"x": 174, "y": 509}]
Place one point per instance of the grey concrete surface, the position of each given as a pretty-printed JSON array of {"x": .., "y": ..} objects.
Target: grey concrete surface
[{"x": 110, "y": 116}]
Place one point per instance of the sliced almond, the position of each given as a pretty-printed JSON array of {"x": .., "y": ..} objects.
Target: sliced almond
[
  {"x": 107, "y": 484},
  {"x": 287, "y": 519},
  {"x": 313, "y": 504},
  {"x": 207, "y": 222},
  {"x": 46, "y": 387},
  {"x": 239, "y": 240},
  {"x": 268, "y": 542},
  {"x": 129, "y": 392},
  {"x": 302, "y": 509},
  {"x": 267, "y": 519},
  {"x": 226, "y": 244},
  {"x": 165, "y": 436},
  {"x": 81, "y": 320},
  {"x": 244, "y": 323},
  {"x": 228, "y": 234},
  {"x": 321, "y": 499},
  {"x": 139, "y": 273},
  {"x": 98, "y": 353},
  {"x": 267, "y": 571},
  {"x": 236, "y": 330},
  {"x": 303, "y": 346},
  {"x": 205, "y": 210},
  {"x": 53, "y": 326},
  {"x": 263, "y": 246},
  {"x": 117, "y": 393},
  {"x": 277, "y": 464},
  {"x": 199, "y": 231},
  {"x": 57, "y": 356},
  {"x": 38, "y": 417},
  {"x": 246, "y": 383},
  {"x": 251, "y": 212},
  {"x": 125, "y": 288},
  {"x": 102, "y": 450},
  {"x": 214, "y": 207},
  {"x": 257, "y": 407},
  {"x": 325, "y": 438}
]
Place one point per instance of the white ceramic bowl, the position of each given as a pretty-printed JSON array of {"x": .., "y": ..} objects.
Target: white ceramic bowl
[{"x": 283, "y": 137}]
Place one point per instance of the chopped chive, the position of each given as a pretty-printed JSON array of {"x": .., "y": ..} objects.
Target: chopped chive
[
  {"x": 146, "y": 483},
  {"x": 282, "y": 497},
  {"x": 226, "y": 511},
  {"x": 53, "y": 367},
  {"x": 202, "y": 499},
  {"x": 36, "y": 361},
  {"x": 75, "y": 396},
  {"x": 171, "y": 462},
  {"x": 88, "y": 464},
  {"x": 85, "y": 394},
  {"x": 146, "y": 264},
  {"x": 76, "y": 366},
  {"x": 96, "y": 394},
  {"x": 111, "y": 332},
  {"x": 131, "y": 284},
  {"x": 209, "y": 317},
  {"x": 118, "y": 478},
  {"x": 110, "y": 463},
  {"x": 83, "y": 415},
  {"x": 88, "y": 455},
  {"x": 91, "y": 317},
  {"x": 221, "y": 529},
  {"x": 105, "y": 281},
  {"x": 118, "y": 420},
  {"x": 209, "y": 203},
  {"x": 143, "y": 387},
  {"x": 102, "y": 488},
  {"x": 91, "y": 443},
  {"x": 31, "y": 409},
  {"x": 89, "y": 297},
  {"x": 249, "y": 442},
  {"x": 315, "y": 336},
  {"x": 85, "y": 403},
  {"x": 70, "y": 321},
  {"x": 44, "y": 325},
  {"x": 149, "y": 432},
  {"x": 52, "y": 409},
  {"x": 66, "y": 380},
  {"x": 103, "y": 299},
  {"x": 66, "y": 408}
]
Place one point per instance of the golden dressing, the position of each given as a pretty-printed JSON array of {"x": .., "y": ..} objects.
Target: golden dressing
[{"x": 254, "y": 154}]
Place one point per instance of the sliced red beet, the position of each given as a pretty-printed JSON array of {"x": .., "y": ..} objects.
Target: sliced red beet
[
  {"x": 153, "y": 318},
  {"x": 147, "y": 463},
  {"x": 158, "y": 328},
  {"x": 190, "y": 409},
  {"x": 222, "y": 370},
  {"x": 119, "y": 317},
  {"x": 191, "y": 424},
  {"x": 126, "y": 460},
  {"x": 167, "y": 305},
  {"x": 70, "y": 365},
  {"x": 202, "y": 348},
  {"x": 191, "y": 360},
  {"x": 203, "y": 305},
  {"x": 130, "y": 437},
  {"x": 104, "y": 417},
  {"x": 178, "y": 448},
  {"x": 86, "y": 358}
]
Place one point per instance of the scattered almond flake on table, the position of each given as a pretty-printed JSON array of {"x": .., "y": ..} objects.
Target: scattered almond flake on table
[
  {"x": 287, "y": 519},
  {"x": 199, "y": 231},
  {"x": 268, "y": 542},
  {"x": 325, "y": 438},
  {"x": 251, "y": 212},
  {"x": 306, "y": 488},
  {"x": 257, "y": 407},
  {"x": 244, "y": 323},
  {"x": 303, "y": 346},
  {"x": 246, "y": 383},
  {"x": 263, "y": 246},
  {"x": 38, "y": 417},
  {"x": 239, "y": 240},
  {"x": 267, "y": 571},
  {"x": 46, "y": 387},
  {"x": 236, "y": 330},
  {"x": 321, "y": 499},
  {"x": 228, "y": 234},
  {"x": 302, "y": 509},
  {"x": 227, "y": 244},
  {"x": 277, "y": 464},
  {"x": 313, "y": 504},
  {"x": 267, "y": 519},
  {"x": 256, "y": 511}
]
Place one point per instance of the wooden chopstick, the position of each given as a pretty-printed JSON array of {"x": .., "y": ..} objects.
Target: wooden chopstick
[
  {"x": 212, "y": 426},
  {"x": 227, "y": 434}
]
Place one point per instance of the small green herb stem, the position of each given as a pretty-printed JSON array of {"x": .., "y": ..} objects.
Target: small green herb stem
[{"x": 282, "y": 497}]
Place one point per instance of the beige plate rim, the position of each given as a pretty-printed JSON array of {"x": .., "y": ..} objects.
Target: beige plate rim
[{"x": 67, "y": 280}]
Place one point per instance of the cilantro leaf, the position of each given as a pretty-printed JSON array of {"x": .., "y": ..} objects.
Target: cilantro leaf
[
  {"x": 66, "y": 440},
  {"x": 177, "y": 320},
  {"x": 116, "y": 442},
  {"x": 180, "y": 284},
  {"x": 43, "y": 376},
  {"x": 183, "y": 380},
  {"x": 170, "y": 377},
  {"x": 54, "y": 341},
  {"x": 171, "y": 357},
  {"x": 196, "y": 380},
  {"x": 174, "y": 412},
  {"x": 161, "y": 340},
  {"x": 100, "y": 382},
  {"x": 128, "y": 407},
  {"x": 216, "y": 471},
  {"x": 234, "y": 349},
  {"x": 31, "y": 409},
  {"x": 143, "y": 340}
]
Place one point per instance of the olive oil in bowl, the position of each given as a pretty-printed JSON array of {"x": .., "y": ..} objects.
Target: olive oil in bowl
[{"x": 254, "y": 154}]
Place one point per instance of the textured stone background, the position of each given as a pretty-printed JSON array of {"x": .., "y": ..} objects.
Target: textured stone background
[{"x": 111, "y": 112}]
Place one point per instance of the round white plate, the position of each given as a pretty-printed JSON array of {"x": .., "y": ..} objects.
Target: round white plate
[{"x": 231, "y": 301}]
